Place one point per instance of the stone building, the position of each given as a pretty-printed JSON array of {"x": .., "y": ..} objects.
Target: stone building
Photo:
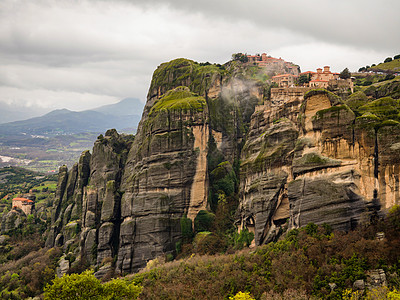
[
  {"x": 277, "y": 64},
  {"x": 26, "y": 205},
  {"x": 285, "y": 80},
  {"x": 327, "y": 80}
]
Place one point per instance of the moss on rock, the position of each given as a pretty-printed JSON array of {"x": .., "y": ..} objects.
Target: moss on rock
[
  {"x": 313, "y": 161},
  {"x": 334, "y": 109},
  {"x": 181, "y": 71},
  {"x": 354, "y": 101},
  {"x": 179, "y": 98},
  {"x": 334, "y": 99},
  {"x": 384, "y": 108}
]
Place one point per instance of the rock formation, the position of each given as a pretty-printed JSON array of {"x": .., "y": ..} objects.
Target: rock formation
[
  {"x": 127, "y": 199},
  {"x": 303, "y": 159},
  {"x": 312, "y": 160}
]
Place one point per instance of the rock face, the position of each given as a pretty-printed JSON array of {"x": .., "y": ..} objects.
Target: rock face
[
  {"x": 125, "y": 202},
  {"x": 303, "y": 159},
  {"x": 311, "y": 160},
  {"x": 164, "y": 178},
  {"x": 12, "y": 220}
]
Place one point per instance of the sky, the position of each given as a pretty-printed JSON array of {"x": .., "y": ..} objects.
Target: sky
[{"x": 80, "y": 54}]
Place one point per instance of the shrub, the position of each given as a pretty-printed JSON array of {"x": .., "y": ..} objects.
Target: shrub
[
  {"x": 242, "y": 296},
  {"x": 87, "y": 286},
  {"x": 203, "y": 221},
  {"x": 243, "y": 239}
]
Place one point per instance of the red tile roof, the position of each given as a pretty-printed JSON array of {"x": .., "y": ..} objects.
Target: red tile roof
[
  {"x": 22, "y": 199},
  {"x": 283, "y": 75}
]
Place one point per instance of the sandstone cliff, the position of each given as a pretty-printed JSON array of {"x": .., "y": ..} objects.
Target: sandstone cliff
[
  {"x": 126, "y": 201},
  {"x": 312, "y": 159},
  {"x": 303, "y": 156}
]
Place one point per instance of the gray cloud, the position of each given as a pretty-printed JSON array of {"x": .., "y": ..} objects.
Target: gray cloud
[
  {"x": 370, "y": 24},
  {"x": 78, "y": 54}
]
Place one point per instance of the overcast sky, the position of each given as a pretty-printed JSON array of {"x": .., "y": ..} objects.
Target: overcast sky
[{"x": 79, "y": 54}]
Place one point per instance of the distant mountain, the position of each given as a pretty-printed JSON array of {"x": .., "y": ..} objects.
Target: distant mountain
[
  {"x": 127, "y": 106},
  {"x": 11, "y": 113},
  {"x": 123, "y": 116}
]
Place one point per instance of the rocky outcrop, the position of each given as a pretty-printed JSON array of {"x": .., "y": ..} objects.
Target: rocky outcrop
[
  {"x": 12, "y": 220},
  {"x": 316, "y": 162},
  {"x": 82, "y": 192},
  {"x": 306, "y": 156},
  {"x": 164, "y": 177},
  {"x": 124, "y": 203}
]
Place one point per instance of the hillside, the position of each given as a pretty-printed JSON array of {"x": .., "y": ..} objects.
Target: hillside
[
  {"x": 125, "y": 107},
  {"x": 310, "y": 263},
  {"x": 11, "y": 112},
  {"x": 69, "y": 122},
  {"x": 59, "y": 137},
  {"x": 393, "y": 66}
]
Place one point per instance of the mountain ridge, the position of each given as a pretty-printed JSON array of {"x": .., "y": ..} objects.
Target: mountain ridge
[{"x": 64, "y": 121}]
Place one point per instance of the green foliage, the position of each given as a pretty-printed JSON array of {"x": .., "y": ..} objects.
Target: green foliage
[
  {"x": 389, "y": 59},
  {"x": 355, "y": 100},
  {"x": 391, "y": 65},
  {"x": 87, "y": 286},
  {"x": 389, "y": 88},
  {"x": 25, "y": 267},
  {"x": 305, "y": 260},
  {"x": 334, "y": 99},
  {"x": 242, "y": 239},
  {"x": 179, "y": 98},
  {"x": 304, "y": 79},
  {"x": 240, "y": 57},
  {"x": 203, "y": 221},
  {"x": 117, "y": 289},
  {"x": 242, "y": 296},
  {"x": 377, "y": 113},
  {"x": 184, "y": 72},
  {"x": 209, "y": 243},
  {"x": 19, "y": 180},
  {"x": 311, "y": 229},
  {"x": 186, "y": 228},
  {"x": 345, "y": 74},
  {"x": 223, "y": 180}
]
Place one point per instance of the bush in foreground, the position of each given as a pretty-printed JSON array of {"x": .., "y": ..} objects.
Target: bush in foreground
[{"x": 87, "y": 286}]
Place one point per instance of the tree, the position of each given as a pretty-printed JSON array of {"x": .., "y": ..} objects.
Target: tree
[
  {"x": 240, "y": 57},
  {"x": 304, "y": 79},
  {"x": 396, "y": 56},
  {"x": 345, "y": 74},
  {"x": 86, "y": 286},
  {"x": 389, "y": 59}
]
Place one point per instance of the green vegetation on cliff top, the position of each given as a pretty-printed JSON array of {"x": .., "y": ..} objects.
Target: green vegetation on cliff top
[
  {"x": 181, "y": 71},
  {"x": 393, "y": 65},
  {"x": 334, "y": 99},
  {"x": 179, "y": 98},
  {"x": 383, "y": 108},
  {"x": 381, "y": 112},
  {"x": 320, "y": 114},
  {"x": 357, "y": 99}
]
